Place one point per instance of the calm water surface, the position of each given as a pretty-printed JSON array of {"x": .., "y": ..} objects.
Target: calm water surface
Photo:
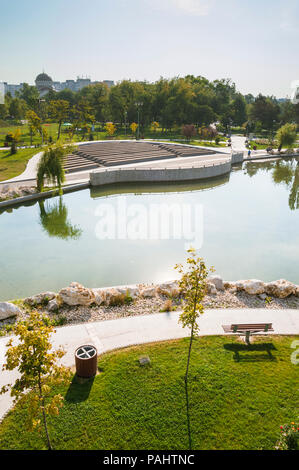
[{"x": 250, "y": 227}]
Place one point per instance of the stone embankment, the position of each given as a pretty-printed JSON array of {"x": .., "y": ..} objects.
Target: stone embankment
[{"x": 77, "y": 303}]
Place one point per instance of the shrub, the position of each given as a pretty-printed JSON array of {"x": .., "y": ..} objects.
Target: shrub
[
  {"x": 167, "y": 307},
  {"x": 289, "y": 434}
]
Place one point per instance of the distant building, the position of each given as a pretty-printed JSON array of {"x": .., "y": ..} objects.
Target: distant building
[
  {"x": 44, "y": 84},
  {"x": 12, "y": 89}
]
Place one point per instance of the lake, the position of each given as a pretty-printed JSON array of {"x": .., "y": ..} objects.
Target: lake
[{"x": 249, "y": 228}]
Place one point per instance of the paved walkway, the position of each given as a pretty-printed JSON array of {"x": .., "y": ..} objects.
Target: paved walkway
[{"x": 114, "y": 334}]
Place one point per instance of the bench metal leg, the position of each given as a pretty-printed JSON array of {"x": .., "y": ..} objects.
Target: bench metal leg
[{"x": 247, "y": 337}]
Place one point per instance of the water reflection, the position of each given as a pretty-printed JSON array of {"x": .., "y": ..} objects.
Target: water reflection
[
  {"x": 143, "y": 188},
  {"x": 284, "y": 172},
  {"x": 54, "y": 220}
]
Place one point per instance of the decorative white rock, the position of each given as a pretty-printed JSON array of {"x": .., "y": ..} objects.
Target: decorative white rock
[
  {"x": 148, "y": 292},
  {"x": 8, "y": 310},
  {"x": 254, "y": 286},
  {"x": 40, "y": 298},
  {"x": 169, "y": 288},
  {"x": 100, "y": 296},
  {"x": 217, "y": 281},
  {"x": 76, "y": 294},
  {"x": 281, "y": 288}
]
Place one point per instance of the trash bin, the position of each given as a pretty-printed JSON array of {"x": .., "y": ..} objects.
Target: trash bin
[{"x": 86, "y": 358}]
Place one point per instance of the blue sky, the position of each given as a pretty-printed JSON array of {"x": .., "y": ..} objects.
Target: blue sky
[{"x": 253, "y": 42}]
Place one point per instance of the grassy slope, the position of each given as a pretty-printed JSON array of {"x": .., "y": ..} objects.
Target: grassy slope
[
  {"x": 14, "y": 165},
  {"x": 25, "y": 134},
  {"x": 234, "y": 404}
]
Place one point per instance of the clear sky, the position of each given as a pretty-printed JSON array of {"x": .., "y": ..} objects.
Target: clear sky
[{"x": 253, "y": 42}]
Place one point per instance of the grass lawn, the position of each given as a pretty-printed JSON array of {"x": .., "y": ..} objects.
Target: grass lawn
[
  {"x": 14, "y": 165},
  {"x": 238, "y": 398},
  {"x": 25, "y": 138}
]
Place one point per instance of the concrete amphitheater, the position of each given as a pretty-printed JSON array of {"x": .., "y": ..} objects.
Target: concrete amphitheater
[{"x": 106, "y": 154}]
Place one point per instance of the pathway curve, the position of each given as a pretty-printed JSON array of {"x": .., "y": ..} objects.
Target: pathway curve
[{"x": 114, "y": 334}]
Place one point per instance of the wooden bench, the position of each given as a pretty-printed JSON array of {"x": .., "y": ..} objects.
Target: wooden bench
[{"x": 247, "y": 329}]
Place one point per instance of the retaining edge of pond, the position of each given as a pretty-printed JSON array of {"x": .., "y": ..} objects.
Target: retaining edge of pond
[
  {"x": 45, "y": 195},
  {"x": 139, "y": 174}
]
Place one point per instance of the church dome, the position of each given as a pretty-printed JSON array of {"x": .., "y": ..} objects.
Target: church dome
[{"x": 43, "y": 77}]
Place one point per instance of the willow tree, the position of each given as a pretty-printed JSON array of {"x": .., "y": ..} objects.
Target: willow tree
[
  {"x": 286, "y": 136},
  {"x": 50, "y": 167}
]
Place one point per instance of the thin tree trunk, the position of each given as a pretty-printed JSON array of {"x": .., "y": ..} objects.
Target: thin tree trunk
[{"x": 189, "y": 355}]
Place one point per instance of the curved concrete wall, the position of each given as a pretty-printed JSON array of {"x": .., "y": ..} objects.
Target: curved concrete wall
[{"x": 139, "y": 174}]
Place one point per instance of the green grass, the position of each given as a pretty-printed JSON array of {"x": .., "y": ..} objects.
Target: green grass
[
  {"x": 25, "y": 139},
  {"x": 14, "y": 165},
  {"x": 238, "y": 396}
]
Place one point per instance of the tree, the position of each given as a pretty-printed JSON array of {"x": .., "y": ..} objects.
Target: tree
[
  {"x": 264, "y": 109},
  {"x": 59, "y": 111},
  {"x": 15, "y": 137},
  {"x": 286, "y": 136},
  {"x": 134, "y": 127},
  {"x": 188, "y": 131},
  {"x": 34, "y": 123},
  {"x": 193, "y": 284},
  {"x": 29, "y": 94},
  {"x": 50, "y": 166},
  {"x": 155, "y": 126},
  {"x": 110, "y": 128},
  {"x": 39, "y": 370},
  {"x": 239, "y": 110}
]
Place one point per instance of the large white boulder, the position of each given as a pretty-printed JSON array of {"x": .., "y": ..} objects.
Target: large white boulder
[
  {"x": 100, "y": 295},
  {"x": 8, "y": 310},
  {"x": 254, "y": 286},
  {"x": 280, "y": 288},
  {"x": 217, "y": 281},
  {"x": 148, "y": 292},
  {"x": 132, "y": 291},
  {"x": 44, "y": 297},
  {"x": 76, "y": 294},
  {"x": 211, "y": 289},
  {"x": 170, "y": 288}
]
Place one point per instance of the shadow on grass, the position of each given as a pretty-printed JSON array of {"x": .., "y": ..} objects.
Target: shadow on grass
[
  {"x": 251, "y": 348},
  {"x": 79, "y": 389}
]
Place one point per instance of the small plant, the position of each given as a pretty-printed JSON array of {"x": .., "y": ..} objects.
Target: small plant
[
  {"x": 289, "y": 434},
  {"x": 117, "y": 300},
  {"x": 268, "y": 300},
  {"x": 128, "y": 298},
  {"x": 60, "y": 321},
  {"x": 167, "y": 306}
]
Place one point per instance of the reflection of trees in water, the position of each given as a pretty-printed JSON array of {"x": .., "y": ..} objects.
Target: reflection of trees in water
[
  {"x": 294, "y": 194},
  {"x": 288, "y": 173},
  {"x": 54, "y": 221},
  {"x": 283, "y": 172}
]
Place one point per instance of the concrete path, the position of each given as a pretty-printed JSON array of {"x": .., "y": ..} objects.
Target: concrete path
[
  {"x": 114, "y": 334},
  {"x": 30, "y": 171}
]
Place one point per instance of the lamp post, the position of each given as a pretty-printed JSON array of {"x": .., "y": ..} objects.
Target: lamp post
[
  {"x": 126, "y": 123},
  {"x": 138, "y": 104}
]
